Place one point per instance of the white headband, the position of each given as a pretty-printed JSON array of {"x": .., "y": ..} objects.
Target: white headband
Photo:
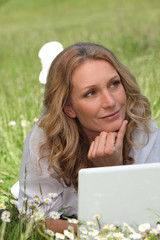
[{"x": 46, "y": 54}]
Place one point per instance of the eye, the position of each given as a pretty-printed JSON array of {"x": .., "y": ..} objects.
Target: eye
[
  {"x": 115, "y": 83},
  {"x": 90, "y": 93}
]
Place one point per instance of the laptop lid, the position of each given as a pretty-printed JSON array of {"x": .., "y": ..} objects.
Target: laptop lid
[{"x": 129, "y": 193}]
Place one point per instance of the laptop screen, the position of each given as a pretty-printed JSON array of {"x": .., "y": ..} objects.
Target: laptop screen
[{"x": 120, "y": 194}]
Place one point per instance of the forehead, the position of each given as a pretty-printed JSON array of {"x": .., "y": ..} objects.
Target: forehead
[{"x": 93, "y": 71}]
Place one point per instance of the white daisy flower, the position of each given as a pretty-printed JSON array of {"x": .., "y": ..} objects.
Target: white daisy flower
[
  {"x": 36, "y": 196},
  {"x": 49, "y": 232},
  {"x": 37, "y": 210},
  {"x": 101, "y": 237},
  {"x": 24, "y": 199},
  {"x": 2, "y": 206},
  {"x": 59, "y": 236},
  {"x": 90, "y": 223},
  {"x": 32, "y": 205},
  {"x": 52, "y": 195},
  {"x": 22, "y": 211},
  {"x": 54, "y": 215},
  {"x": 25, "y": 123},
  {"x": 73, "y": 221},
  {"x": 118, "y": 235},
  {"x": 93, "y": 232},
  {"x": 14, "y": 202},
  {"x": 35, "y": 119},
  {"x": 128, "y": 228},
  {"x": 5, "y": 219},
  {"x": 144, "y": 227},
  {"x": 154, "y": 231},
  {"x": 96, "y": 217},
  {"x": 113, "y": 229},
  {"x": 83, "y": 230},
  {"x": 47, "y": 200},
  {"x": 108, "y": 227},
  {"x": 12, "y": 123},
  {"x": 37, "y": 200},
  {"x": 135, "y": 236},
  {"x": 5, "y": 216},
  {"x": 125, "y": 225},
  {"x": 68, "y": 234}
]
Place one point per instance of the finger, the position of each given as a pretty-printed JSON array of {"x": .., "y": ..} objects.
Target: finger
[
  {"x": 101, "y": 144},
  {"x": 110, "y": 144},
  {"x": 95, "y": 146},
  {"x": 121, "y": 133},
  {"x": 90, "y": 150}
]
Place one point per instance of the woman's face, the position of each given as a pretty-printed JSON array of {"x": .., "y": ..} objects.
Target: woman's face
[{"x": 98, "y": 98}]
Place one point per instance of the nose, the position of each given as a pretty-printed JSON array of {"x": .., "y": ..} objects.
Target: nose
[{"x": 108, "y": 100}]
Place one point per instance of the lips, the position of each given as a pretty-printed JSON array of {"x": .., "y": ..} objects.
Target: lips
[{"x": 112, "y": 115}]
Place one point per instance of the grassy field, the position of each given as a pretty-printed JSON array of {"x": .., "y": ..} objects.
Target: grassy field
[{"x": 129, "y": 28}]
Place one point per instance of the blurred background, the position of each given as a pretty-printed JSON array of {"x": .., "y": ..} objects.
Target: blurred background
[{"x": 131, "y": 29}]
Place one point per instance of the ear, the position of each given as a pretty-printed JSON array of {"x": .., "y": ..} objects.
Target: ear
[{"x": 69, "y": 111}]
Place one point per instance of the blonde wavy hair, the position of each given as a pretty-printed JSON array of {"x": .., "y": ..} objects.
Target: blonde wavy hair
[{"x": 66, "y": 143}]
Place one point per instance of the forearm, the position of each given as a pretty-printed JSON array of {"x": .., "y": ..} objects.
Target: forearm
[{"x": 58, "y": 225}]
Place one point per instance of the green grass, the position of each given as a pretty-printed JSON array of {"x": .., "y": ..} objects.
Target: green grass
[{"x": 129, "y": 28}]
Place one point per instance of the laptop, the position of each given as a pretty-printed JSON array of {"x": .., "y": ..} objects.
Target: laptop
[{"x": 119, "y": 194}]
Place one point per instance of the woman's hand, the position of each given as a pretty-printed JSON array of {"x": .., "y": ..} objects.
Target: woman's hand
[
  {"x": 58, "y": 225},
  {"x": 107, "y": 148}
]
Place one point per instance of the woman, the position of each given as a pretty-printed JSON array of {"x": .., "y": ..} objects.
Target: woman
[{"x": 95, "y": 116}]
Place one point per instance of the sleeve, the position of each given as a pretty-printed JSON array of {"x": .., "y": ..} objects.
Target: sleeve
[
  {"x": 146, "y": 152},
  {"x": 36, "y": 185}
]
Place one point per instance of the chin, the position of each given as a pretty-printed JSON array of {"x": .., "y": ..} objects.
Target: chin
[{"x": 114, "y": 128}]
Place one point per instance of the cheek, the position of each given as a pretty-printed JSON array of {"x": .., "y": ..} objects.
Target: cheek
[
  {"x": 84, "y": 110},
  {"x": 122, "y": 97}
]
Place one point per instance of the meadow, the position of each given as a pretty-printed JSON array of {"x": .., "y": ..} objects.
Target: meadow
[{"x": 129, "y": 28}]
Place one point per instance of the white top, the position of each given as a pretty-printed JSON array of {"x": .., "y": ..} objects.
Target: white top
[{"x": 40, "y": 182}]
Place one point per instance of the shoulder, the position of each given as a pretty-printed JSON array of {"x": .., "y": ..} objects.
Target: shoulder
[
  {"x": 35, "y": 138},
  {"x": 31, "y": 151},
  {"x": 146, "y": 149},
  {"x": 140, "y": 136},
  {"x": 37, "y": 134}
]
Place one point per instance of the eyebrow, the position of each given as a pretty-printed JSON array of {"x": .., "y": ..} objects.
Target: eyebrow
[{"x": 92, "y": 86}]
